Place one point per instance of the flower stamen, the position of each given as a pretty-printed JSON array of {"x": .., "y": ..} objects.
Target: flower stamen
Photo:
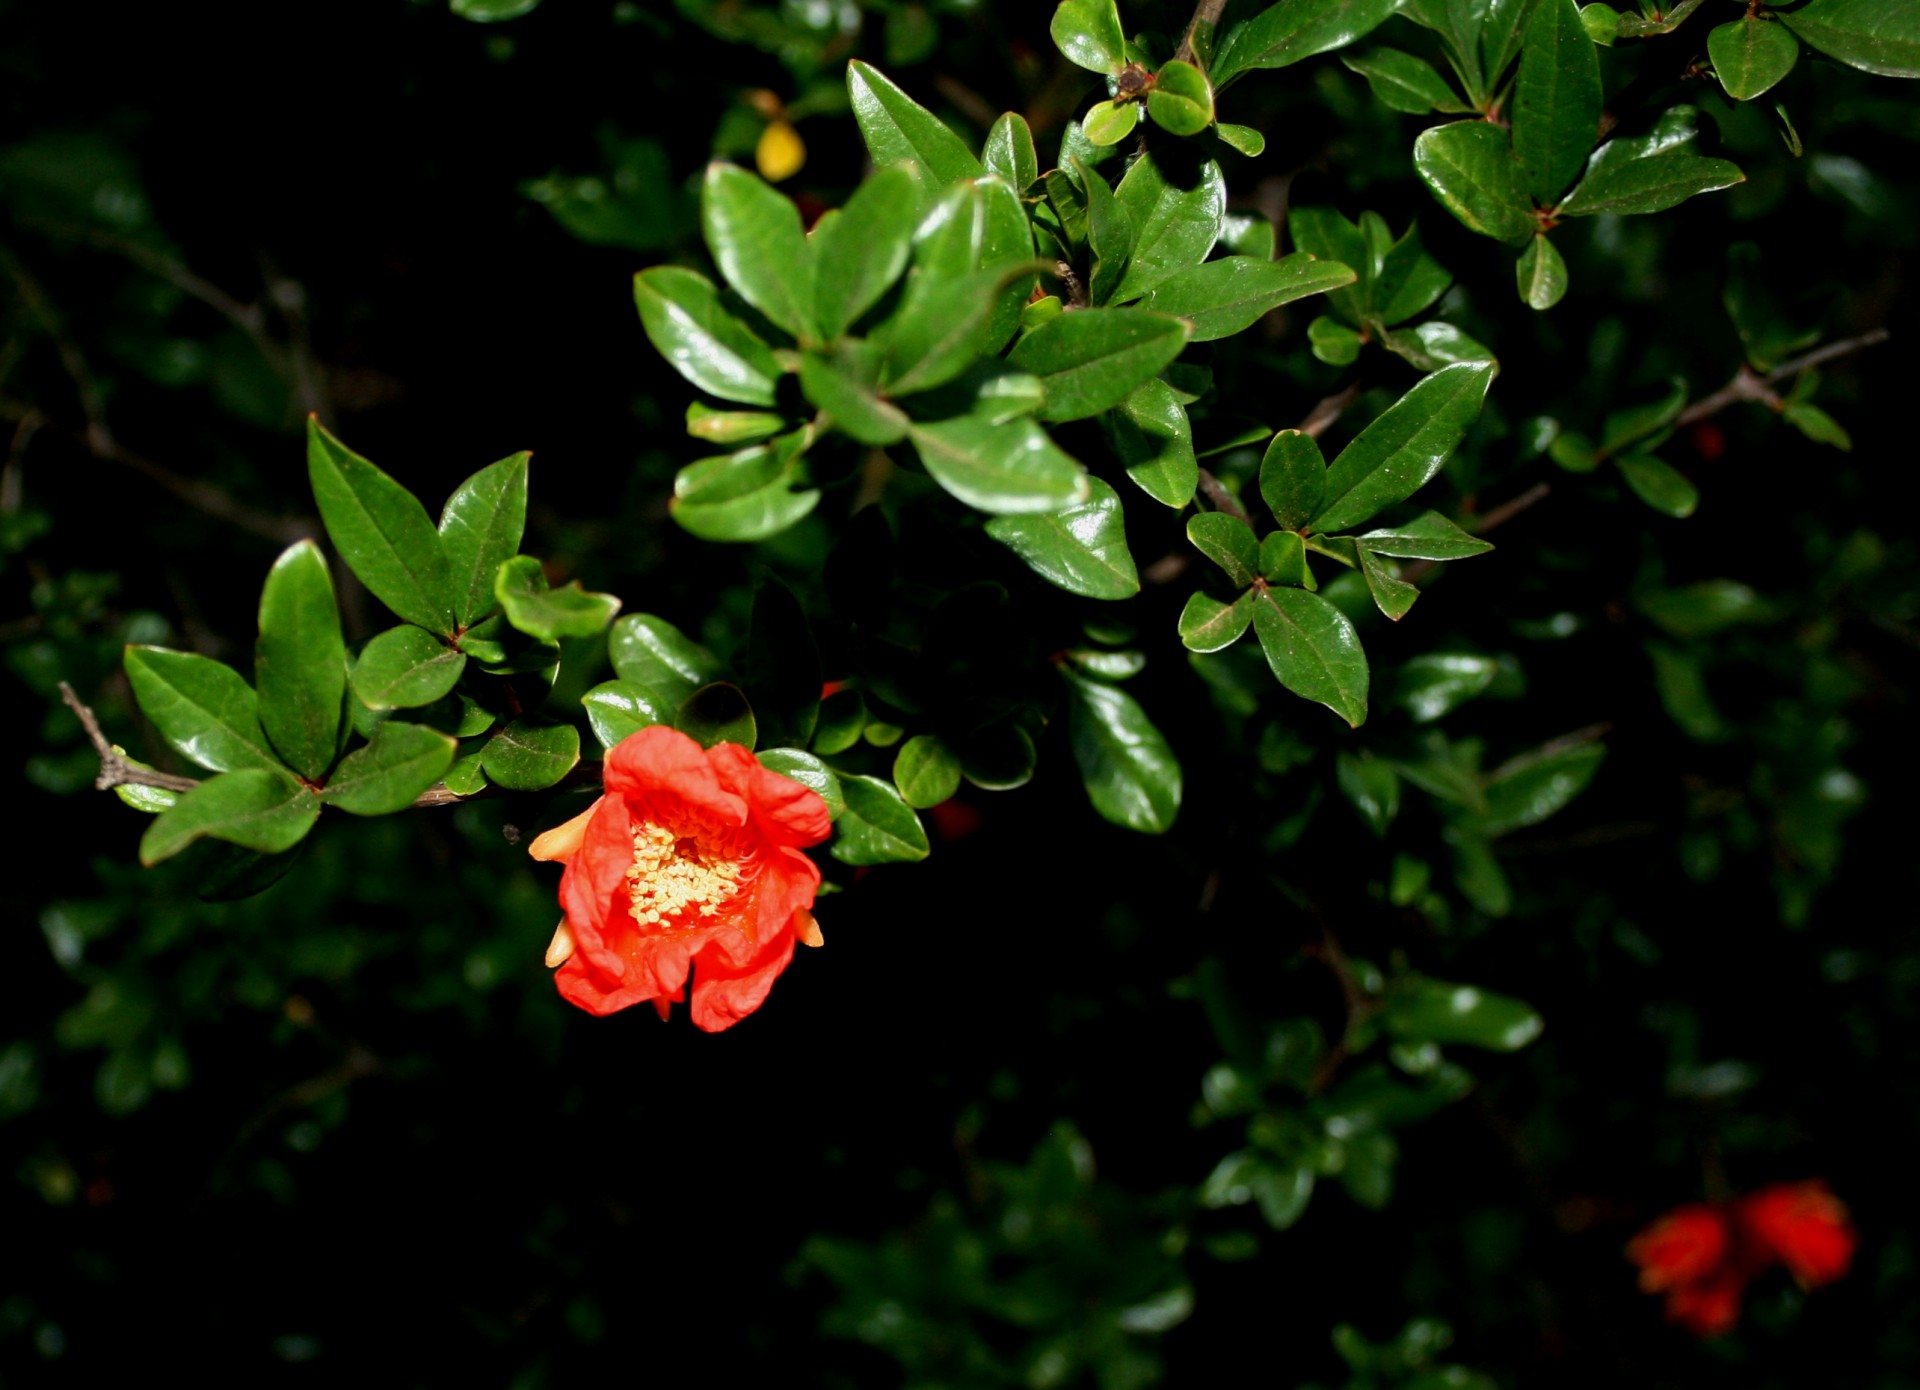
[{"x": 672, "y": 877}]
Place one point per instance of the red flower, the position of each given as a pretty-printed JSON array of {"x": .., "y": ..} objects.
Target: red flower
[
  {"x": 1682, "y": 1247},
  {"x": 1804, "y": 1226},
  {"x": 690, "y": 864}
]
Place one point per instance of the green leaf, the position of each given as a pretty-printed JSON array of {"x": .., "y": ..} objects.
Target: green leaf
[
  {"x": 1092, "y": 360},
  {"x": 1699, "y": 610},
  {"x": 1880, "y": 36},
  {"x": 1371, "y": 787},
  {"x": 878, "y": 827},
  {"x": 1208, "y": 625},
  {"x": 480, "y": 529},
  {"x": 926, "y": 771},
  {"x": 1227, "y": 541},
  {"x": 200, "y": 706},
  {"x": 465, "y": 776},
  {"x": 253, "y": 808},
  {"x": 941, "y": 328},
  {"x": 1313, "y": 650},
  {"x": 530, "y": 754},
  {"x": 1751, "y": 55},
  {"x": 1659, "y": 485},
  {"x": 1420, "y": 1010},
  {"x": 1009, "y": 152},
  {"x": 400, "y": 762},
  {"x": 405, "y": 667},
  {"x": 1816, "y": 424},
  {"x": 1009, "y": 469},
  {"x": 723, "y": 427},
  {"x": 1436, "y": 683},
  {"x": 1333, "y": 342},
  {"x": 1130, "y": 772},
  {"x": 547, "y": 613},
  {"x": 1326, "y": 234},
  {"x": 756, "y": 239},
  {"x": 1639, "y": 422},
  {"x": 1391, "y": 594},
  {"x": 382, "y": 532},
  {"x": 1393, "y": 457},
  {"x": 718, "y": 713},
  {"x": 898, "y": 129},
  {"x": 1088, "y": 32},
  {"x": 802, "y": 767},
  {"x": 1222, "y": 297},
  {"x": 1150, "y": 433},
  {"x": 860, "y": 253},
  {"x": 843, "y": 717},
  {"x": 492, "y": 11},
  {"x": 782, "y": 679},
  {"x": 1672, "y": 15},
  {"x": 1403, "y": 82},
  {"x": 1432, "y": 345},
  {"x": 1181, "y": 100},
  {"x": 845, "y": 387},
  {"x": 1471, "y": 170},
  {"x": 1649, "y": 173},
  {"x": 1542, "y": 274},
  {"x": 1429, "y": 536},
  {"x": 1177, "y": 204},
  {"x": 1081, "y": 548},
  {"x": 1292, "y": 30},
  {"x": 616, "y": 709},
  {"x": 747, "y": 496},
  {"x": 1293, "y": 478},
  {"x": 1404, "y": 279},
  {"x": 1107, "y": 123},
  {"x": 1537, "y": 785},
  {"x": 1283, "y": 560},
  {"x": 652, "y": 652},
  {"x": 687, "y": 325},
  {"x": 1243, "y": 138},
  {"x": 300, "y": 661},
  {"x": 1109, "y": 235},
  {"x": 1555, "y": 112}
]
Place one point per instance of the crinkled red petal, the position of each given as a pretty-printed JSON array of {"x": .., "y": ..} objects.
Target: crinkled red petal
[{"x": 723, "y": 994}]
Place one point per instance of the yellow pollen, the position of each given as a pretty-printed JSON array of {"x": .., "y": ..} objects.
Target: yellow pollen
[{"x": 671, "y": 878}]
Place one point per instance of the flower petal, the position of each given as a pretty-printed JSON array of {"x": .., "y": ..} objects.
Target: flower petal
[
  {"x": 723, "y": 994},
  {"x": 783, "y": 810},
  {"x": 563, "y": 840},
  {"x": 657, "y": 761}
]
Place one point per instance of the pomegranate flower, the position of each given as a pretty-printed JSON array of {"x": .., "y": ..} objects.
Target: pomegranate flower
[
  {"x": 1805, "y": 1227},
  {"x": 690, "y": 864}
]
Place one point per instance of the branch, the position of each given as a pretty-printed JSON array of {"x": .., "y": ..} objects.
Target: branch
[
  {"x": 1749, "y": 385},
  {"x": 1207, "y": 12},
  {"x": 1221, "y": 500},
  {"x": 1493, "y": 520},
  {"x": 1329, "y": 409},
  {"x": 116, "y": 768}
]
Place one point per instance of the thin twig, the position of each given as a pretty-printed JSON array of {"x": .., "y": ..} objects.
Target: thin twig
[
  {"x": 1207, "y": 12},
  {"x": 116, "y": 769},
  {"x": 1220, "y": 498},
  {"x": 1491, "y": 521},
  {"x": 1329, "y": 409},
  {"x": 1749, "y": 385}
]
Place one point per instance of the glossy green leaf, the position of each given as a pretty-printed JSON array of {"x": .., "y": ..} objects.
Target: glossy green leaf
[
  {"x": 530, "y": 754},
  {"x": 1432, "y": 345},
  {"x": 1109, "y": 235},
  {"x": 1208, "y": 625},
  {"x": 747, "y": 496},
  {"x": 200, "y": 706},
  {"x": 1371, "y": 787},
  {"x": 1222, "y": 297},
  {"x": 687, "y": 325},
  {"x": 253, "y": 808},
  {"x": 926, "y": 771},
  {"x": 1009, "y": 469},
  {"x": 1659, "y": 485},
  {"x": 1009, "y": 152},
  {"x": 718, "y": 713},
  {"x": 1393, "y": 457},
  {"x": 492, "y": 11},
  {"x": 1542, "y": 274},
  {"x": 1107, "y": 123},
  {"x": 1420, "y": 1010},
  {"x": 755, "y": 236},
  {"x": 941, "y": 329},
  {"x": 1649, "y": 173},
  {"x": 1817, "y": 425},
  {"x": 465, "y": 776},
  {"x": 1436, "y": 683},
  {"x": 616, "y": 709},
  {"x": 1181, "y": 99},
  {"x": 300, "y": 661},
  {"x": 1150, "y": 433},
  {"x": 843, "y": 716},
  {"x": 1333, "y": 342},
  {"x": 1295, "y": 29},
  {"x": 723, "y": 427},
  {"x": 1323, "y": 232},
  {"x": 535, "y": 608},
  {"x": 1751, "y": 55},
  {"x": 1403, "y": 82},
  {"x": 1177, "y": 204},
  {"x": 1283, "y": 560},
  {"x": 1429, "y": 536},
  {"x": 1313, "y": 650},
  {"x": 1081, "y": 548},
  {"x": 1088, "y": 32},
  {"x": 898, "y": 129},
  {"x": 1243, "y": 138},
  {"x": 1092, "y": 360},
  {"x": 1693, "y": 611},
  {"x": 152, "y": 800},
  {"x": 405, "y": 667},
  {"x": 1130, "y": 772},
  {"x": 782, "y": 676},
  {"x": 845, "y": 386},
  {"x": 1537, "y": 785},
  {"x": 1471, "y": 170},
  {"x": 400, "y": 762},
  {"x": 1391, "y": 594},
  {"x": 1403, "y": 280},
  {"x": 1293, "y": 479},
  {"x": 480, "y": 529},
  {"x": 1879, "y": 36},
  {"x": 800, "y": 766},
  {"x": 1555, "y": 110},
  {"x": 652, "y": 652},
  {"x": 1227, "y": 541},
  {"x": 382, "y": 532},
  {"x": 878, "y": 827},
  {"x": 1671, "y": 16},
  {"x": 860, "y": 253}
]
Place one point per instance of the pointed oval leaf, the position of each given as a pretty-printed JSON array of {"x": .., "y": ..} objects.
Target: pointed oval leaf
[
  {"x": 1555, "y": 111},
  {"x": 1088, "y": 32},
  {"x": 843, "y": 388},
  {"x": 1130, "y": 772},
  {"x": 1107, "y": 123},
  {"x": 1391, "y": 594},
  {"x": 1542, "y": 274},
  {"x": 754, "y": 233},
  {"x": 1177, "y": 203},
  {"x": 1243, "y": 138},
  {"x": 1537, "y": 785},
  {"x": 300, "y": 661},
  {"x": 718, "y": 713},
  {"x": 405, "y": 667},
  {"x": 1393, "y": 457},
  {"x": 1286, "y": 33},
  {"x": 1283, "y": 560},
  {"x": 1208, "y": 625},
  {"x": 1082, "y": 548},
  {"x": 877, "y": 827},
  {"x": 382, "y": 532},
  {"x": 1227, "y": 541},
  {"x": 1879, "y": 36},
  {"x": 1150, "y": 432},
  {"x": 1293, "y": 478},
  {"x": 548, "y": 613},
  {"x": 687, "y": 325},
  {"x": 941, "y": 328},
  {"x": 253, "y": 808},
  {"x": 1437, "y": 683},
  {"x": 1420, "y": 1010},
  {"x": 926, "y": 771},
  {"x": 1471, "y": 170},
  {"x": 1429, "y": 536},
  {"x": 200, "y": 706},
  {"x": 1751, "y": 55},
  {"x": 400, "y": 762},
  {"x": 1180, "y": 101},
  {"x": 480, "y": 529},
  {"x": 1009, "y": 469},
  {"x": 1659, "y": 485},
  {"x": 1313, "y": 650},
  {"x": 1650, "y": 172},
  {"x": 652, "y": 652},
  {"x": 530, "y": 754},
  {"x": 1109, "y": 235},
  {"x": 1092, "y": 360},
  {"x": 1403, "y": 82},
  {"x": 616, "y": 709},
  {"x": 1009, "y": 152},
  {"x": 898, "y": 129},
  {"x": 1220, "y": 298},
  {"x": 863, "y": 250}
]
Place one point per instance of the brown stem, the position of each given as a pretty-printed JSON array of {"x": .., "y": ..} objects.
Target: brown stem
[
  {"x": 1329, "y": 409},
  {"x": 1220, "y": 499},
  {"x": 1749, "y": 385},
  {"x": 1207, "y": 12},
  {"x": 116, "y": 769}
]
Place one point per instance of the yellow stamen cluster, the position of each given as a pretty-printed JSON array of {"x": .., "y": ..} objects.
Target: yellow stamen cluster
[{"x": 671, "y": 877}]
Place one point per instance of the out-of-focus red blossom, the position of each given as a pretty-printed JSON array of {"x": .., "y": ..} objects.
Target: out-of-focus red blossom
[
  {"x": 690, "y": 864},
  {"x": 1703, "y": 1257},
  {"x": 1709, "y": 441}
]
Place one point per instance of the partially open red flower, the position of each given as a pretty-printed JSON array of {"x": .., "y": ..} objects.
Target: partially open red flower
[
  {"x": 690, "y": 864},
  {"x": 1805, "y": 1227},
  {"x": 1682, "y": 1247}
]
